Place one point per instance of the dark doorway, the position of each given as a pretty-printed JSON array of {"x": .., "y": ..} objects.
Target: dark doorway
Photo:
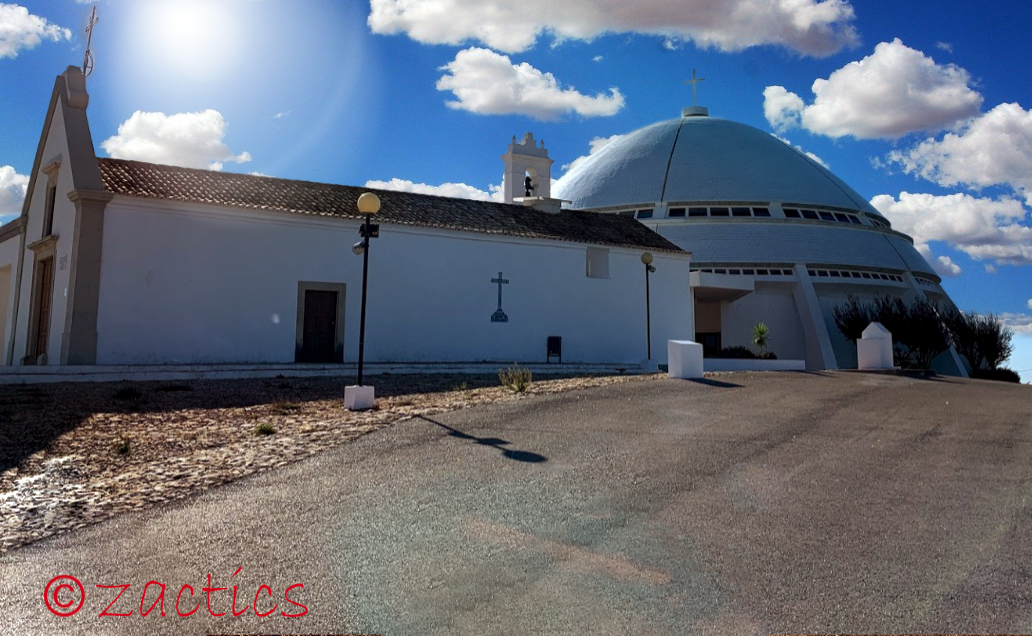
[
  {"x": 45, "y": 291},
  {"x": 320, "y": 327},
  {"x": 710, "y": 343}
]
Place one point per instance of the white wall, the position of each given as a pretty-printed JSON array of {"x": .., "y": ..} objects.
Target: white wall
[
  {"x": 56, "y": 147},
  {"x": 772, "y": 304},
  {"x": 201, "y": 284}
]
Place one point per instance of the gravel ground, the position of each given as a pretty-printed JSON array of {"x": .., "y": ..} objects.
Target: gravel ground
[{"x": 74, "y": 454}]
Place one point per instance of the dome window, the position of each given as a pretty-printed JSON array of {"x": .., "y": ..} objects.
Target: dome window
[
  {"x": 741, "y": 212},
  {"x": 719, "y": 212},
  {"x": 827, "y": 216},
  {"x": 761, "y": 212},
  {"x": 644, "y": 214},
  {"x": 792, "y": 213},
  {"x": 676, "y": 213},
  {"x": 697, "y": 212}
]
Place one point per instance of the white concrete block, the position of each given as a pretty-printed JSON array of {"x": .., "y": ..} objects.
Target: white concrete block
[
  {"x": 684, "y": 358},
  {"x": 359, "y": 398},
  {"x": 874, "y": 348}
]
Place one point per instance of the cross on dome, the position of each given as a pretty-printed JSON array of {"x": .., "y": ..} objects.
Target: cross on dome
[{"x": 694, "y": 81}]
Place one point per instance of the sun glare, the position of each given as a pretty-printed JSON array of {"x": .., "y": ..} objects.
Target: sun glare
[{"x": 201, "y": 39}]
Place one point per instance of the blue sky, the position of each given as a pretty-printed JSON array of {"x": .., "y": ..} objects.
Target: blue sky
[{"x": 923, "y": 107}]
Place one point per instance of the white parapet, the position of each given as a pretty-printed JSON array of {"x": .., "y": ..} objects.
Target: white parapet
[
  {"x": 684, "y": 358},
  {"x": 874, "y": 348},
  {"x": 359, "y": 398}
]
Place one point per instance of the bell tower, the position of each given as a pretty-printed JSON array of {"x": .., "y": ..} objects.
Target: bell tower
[{"x": 528, "y": 170}]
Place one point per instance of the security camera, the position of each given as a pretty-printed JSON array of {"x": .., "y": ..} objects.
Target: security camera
[{"x": 358, "y": 248}]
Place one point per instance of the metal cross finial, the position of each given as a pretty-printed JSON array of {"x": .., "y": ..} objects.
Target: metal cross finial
[
  {"x": 87, "y": 63},
  {"x": 694, "y": 81}
]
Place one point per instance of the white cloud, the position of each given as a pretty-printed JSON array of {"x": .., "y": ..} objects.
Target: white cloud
[
  {"x": 993, "y": 230},
  {"x": 487, "y": 83},
  {"x": 1030, "y": 303},
  {"x": 190, "y": 140},
  {"x": 894, "y": 91},
  {"x": 20, "y": 29},
  {"x": 596, "y": 144},
  {"x": 455, "y": 190},
  {"x": 597, "y": 58},
  {"x": 810, "y": 27},
  {"x": 944, "y": 266},
  {"x": 993, "y": 149},
  {"x": 12, "y": 192},
  {"x": 944, "y": 46},
  {"x": 800, "y": 149},
  {"x": 1020, "y": 323},
  {"x": 782, "y": 108}
]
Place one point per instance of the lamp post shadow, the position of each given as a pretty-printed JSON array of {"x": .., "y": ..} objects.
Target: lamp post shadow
[{"x": 494, "y": 442}]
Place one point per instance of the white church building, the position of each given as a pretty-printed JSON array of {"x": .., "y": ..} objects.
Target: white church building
[
  {"x": 115, "y": 262},
  {"x": 775, "y": 236}
]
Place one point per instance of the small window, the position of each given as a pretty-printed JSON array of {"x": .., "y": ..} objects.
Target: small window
[
  {"x": 741, "y": 212},
  {"x": 827, "y": 216},
  {"x": 792, "y": 213},
  {"x": 676, "y": 213},
  {"x": 719, "y": 212},
  {"x": 720, "y": 271},
  {"x": 841, "y": 218},
  {"x": 835, "y": 274},
  {"x": 644, "y": 214},
  {"x": 749, "y": 272},
  {"x": 822, "y": 272},
  {"x": 629, "y": 213},
  {"x": 762, "y": 272},
  {"x": 866, "y": 274},
  {"x": 734, "y": 272},
  {"x": 809, "y": 214},
  {"x": 48, "y": 214},
  {"x": 597, "y": 262},
  {"x": 697, "y": 212},
  {"x": 854, "y": 220},
  {"x": 761, "y": 212}
]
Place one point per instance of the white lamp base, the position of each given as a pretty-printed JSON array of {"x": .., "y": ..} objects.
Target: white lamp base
[{"x": 359, "y": 398}]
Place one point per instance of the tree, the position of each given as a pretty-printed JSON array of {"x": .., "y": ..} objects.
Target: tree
[
  {"x": 917, "y": 330},
  {"x": 852, "y": 318},
  {"x": 981, "y": 338}
]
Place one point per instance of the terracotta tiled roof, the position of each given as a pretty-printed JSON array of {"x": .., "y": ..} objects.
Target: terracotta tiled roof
[{"x": 138, "y": 179}]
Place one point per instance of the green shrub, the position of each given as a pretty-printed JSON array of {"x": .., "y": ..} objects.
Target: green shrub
[
  {"x": 264, "y": 428},
  {"x": 760, "y": 334},
  {"x": 1001, "y": 374},
  {"x": 737, "y": 353},
  {"x": 516, "y": 379},
  {"x": 128, "y": 393}
]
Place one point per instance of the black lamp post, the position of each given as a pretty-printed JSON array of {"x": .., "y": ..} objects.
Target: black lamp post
[
  {"x": 646, "y": 260},
  {"x": 368, "y": 204}
]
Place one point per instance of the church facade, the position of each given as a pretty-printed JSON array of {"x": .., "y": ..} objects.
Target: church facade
[{"x": 123, "y": 262}]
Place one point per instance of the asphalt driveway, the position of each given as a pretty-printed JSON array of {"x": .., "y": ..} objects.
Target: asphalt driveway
[{"x": 750, "y": 504}]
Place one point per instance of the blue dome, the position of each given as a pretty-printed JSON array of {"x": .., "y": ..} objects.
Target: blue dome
[{"x": 703, "y": 159}]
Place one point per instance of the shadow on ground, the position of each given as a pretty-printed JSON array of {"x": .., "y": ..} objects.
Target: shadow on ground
[{"x": 494, "y": 442}]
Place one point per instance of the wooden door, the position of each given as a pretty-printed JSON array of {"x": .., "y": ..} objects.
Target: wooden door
[
  {"x": 320, "y": 327},
  {"x": 45, "y": 285}
]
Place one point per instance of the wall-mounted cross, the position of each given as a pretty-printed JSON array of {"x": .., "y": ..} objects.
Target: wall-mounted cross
[
  {"x": 694, "y": 81},
  {"x": 499, "y": 315}
]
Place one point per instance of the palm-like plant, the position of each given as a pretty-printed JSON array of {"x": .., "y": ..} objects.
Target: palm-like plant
[{"x": 760, "y": 333}]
